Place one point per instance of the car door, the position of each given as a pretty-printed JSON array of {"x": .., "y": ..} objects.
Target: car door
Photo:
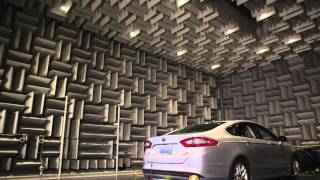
[
  {"x": 272, "y": 147},
  {"x": 258, "y": 155}
]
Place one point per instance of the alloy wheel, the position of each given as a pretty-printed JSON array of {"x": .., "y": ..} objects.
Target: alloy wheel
[
  {"x": 296, "y": 168},
  {"x": 240, "y": 172}
]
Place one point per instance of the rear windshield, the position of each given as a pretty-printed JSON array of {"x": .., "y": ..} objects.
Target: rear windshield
[{"x": 197, "y": 128}]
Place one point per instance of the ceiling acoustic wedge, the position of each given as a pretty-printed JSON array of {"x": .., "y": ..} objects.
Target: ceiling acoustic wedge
[
  {"x": 202, "y": 27},
  {"x": 312, "y": 38},
  {"x": 217, "y": 58},
  {"x": 291, "y": 12},
  {"x": 272, "y": 57},
  {"x": 220, "y": 50},
  {"x": 314, "y": 12},
  {"x": 207, "y": 29},
  {"x": 281, "y": 49},
  {"x": 224, "y": 40},
  {"x": 253, "y": 57},
  {"x": 240, "y": 50},
  {"x": 270, "y": 39},
  {"x": 302, "y": 48},
  {"x": 279, "y": 27},
  {"x": 207, "y": 14},
  {"x": 304, "y": 26},
  {"x": 152, "y": 3},
  {"x": 236, "y": 58},
  {"x": 247, "y": 40}
]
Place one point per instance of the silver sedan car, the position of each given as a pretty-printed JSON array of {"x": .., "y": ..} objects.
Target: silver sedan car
[{"x": 228, "y": 150}]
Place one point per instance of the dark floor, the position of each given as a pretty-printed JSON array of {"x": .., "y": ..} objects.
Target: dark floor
[
  {"x": 131, "y": 177},
  {"x": 142, "y": 178}
]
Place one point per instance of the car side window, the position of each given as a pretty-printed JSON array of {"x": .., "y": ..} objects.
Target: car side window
[
  {"x": 244, "y": 131},
  {"x": 262, "y": 133},
  {"x": 232, "y": 130},
  {"x": 241, "y": 129}
]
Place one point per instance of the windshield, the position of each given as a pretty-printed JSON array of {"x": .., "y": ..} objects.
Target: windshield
[{"x": 197, "y": 128}]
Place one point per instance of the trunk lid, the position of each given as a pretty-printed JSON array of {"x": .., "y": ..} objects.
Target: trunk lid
[{"x": 167, "y": 149}]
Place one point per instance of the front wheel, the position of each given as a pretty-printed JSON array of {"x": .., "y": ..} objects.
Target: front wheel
[
  {"x": 239, "y": 171},
  {"x": 295, "y": 167}
]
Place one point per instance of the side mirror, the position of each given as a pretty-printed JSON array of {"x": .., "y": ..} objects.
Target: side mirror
[{"x": 283, "y": 139}]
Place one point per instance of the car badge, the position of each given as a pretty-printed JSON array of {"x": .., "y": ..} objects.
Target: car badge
[{"x": 163, "y": 139}]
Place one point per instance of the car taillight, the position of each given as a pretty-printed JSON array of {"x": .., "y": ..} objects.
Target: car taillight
[
  {"x": 148, "y": 144},
  {"x": 198, "y": 142}
]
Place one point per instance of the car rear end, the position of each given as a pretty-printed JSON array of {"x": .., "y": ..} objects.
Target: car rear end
[{"x": 181, "y": 155}]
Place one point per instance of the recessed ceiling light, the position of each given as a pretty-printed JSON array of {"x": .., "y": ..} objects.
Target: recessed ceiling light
[
  {"x": 292, "y": 39},
  {"x": 231, "y": 30},
  {"x": 182, "y": 2},
  {"x": 66, "y": 7},
  {"x": 181, "y": 52},
  {"x": 262, "y": 50},
  {"x": 134, "y": 33},
  {"x": 265, "y": 14},
  {"x": 215, "y": 66}
]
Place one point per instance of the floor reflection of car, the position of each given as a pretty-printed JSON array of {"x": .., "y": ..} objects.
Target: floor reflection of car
[{"x": 234, "y": 150}]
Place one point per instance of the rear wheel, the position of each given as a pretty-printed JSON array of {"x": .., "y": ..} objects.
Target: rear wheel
[
  {"x": 295, "y": 167},
  {"x": 239, "y": 171}
]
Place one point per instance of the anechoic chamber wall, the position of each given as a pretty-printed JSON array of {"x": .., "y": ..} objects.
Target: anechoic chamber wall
[
  {"x": 283, "y": 96},
  {"x": 43, "y": 60}
]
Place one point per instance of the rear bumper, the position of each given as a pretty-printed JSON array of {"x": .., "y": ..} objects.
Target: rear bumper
[
  {"x": 172, "y": 175},
  {"x": 182, "y": 171},
  {"x": 165, "y": 174}
]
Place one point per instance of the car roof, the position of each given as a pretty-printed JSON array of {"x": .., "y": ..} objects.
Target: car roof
[
  {"x": 226, "y": 123},
  {"x": 230, "y": 122},
  {"x": 234, "y": 121}
]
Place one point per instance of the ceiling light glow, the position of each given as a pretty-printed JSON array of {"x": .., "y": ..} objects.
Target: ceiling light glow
[
  {"x": 262, "y": 50},
  {"x": 215, "y": 66},
  {"x": 66, "y": 7},
  {"x": 182, "y": 2},
  {"x": 231, "y": 30},
  {"x": 292, "y": 39},
  {"x": 181, "y": 52},
  {"x": 265, "y": 14},
  {"x": 134, "y": 33}
]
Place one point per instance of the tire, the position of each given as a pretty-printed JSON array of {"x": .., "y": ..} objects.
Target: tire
[
  {"x": 295, "y": 167},
  {"x": 240, "y": 170}
]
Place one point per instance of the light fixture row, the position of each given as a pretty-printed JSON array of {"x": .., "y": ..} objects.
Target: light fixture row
[
  {"x": 292, "y": 39},
  {"x": 227, "y": 30},
  {"x": 181, "y": 52},
  {"x": 263, "y": 49},
  {"x": 134, "y": 33},
  {"x": 65, "y": 7},
  {"x": 264, "y": 13}
]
